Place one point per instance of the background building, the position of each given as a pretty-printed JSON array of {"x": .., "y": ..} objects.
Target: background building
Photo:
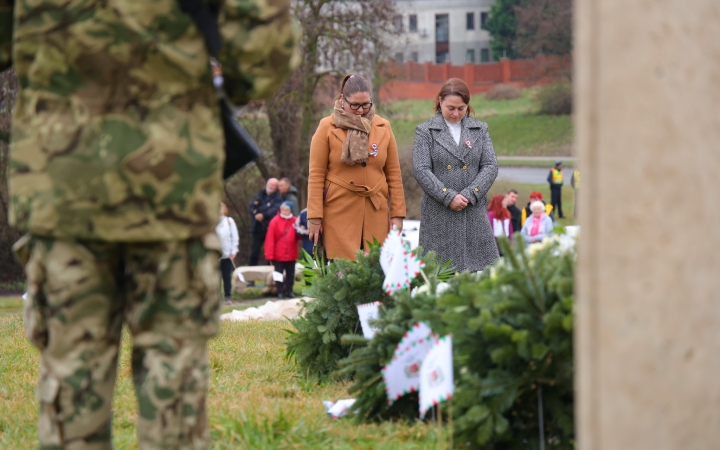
[{"x": 443, "y": 31}]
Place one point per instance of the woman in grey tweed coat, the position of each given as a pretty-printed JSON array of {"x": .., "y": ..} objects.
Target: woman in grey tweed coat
[{"x": 456, "y": 178}]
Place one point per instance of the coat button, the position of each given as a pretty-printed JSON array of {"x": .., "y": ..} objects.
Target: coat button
[
  {"x": 464, "y": 167},
  {"x": 449, "y": 167},
  {"x": 445, "y": 190},
  {"x": 476, "y": 189},
  {"x": 364, "y": 164}
]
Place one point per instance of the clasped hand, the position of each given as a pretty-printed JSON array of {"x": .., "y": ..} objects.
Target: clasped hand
[{"x": 459, "y": 203}]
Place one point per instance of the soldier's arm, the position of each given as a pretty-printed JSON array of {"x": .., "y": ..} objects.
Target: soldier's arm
[
  {"x": 260, "y": 39},
  {"x": 6, "y": 32}
]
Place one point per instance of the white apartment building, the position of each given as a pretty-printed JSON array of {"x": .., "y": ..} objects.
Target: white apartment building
[{"x": 443, "y": 31}]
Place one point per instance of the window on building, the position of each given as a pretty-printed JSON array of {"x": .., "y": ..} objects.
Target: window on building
[
  {"x": 414, "y": 56},
  {"x": 470, "y": 21},
  {"x": 485, "y": 55},
  {"x": 470, "y": 56},
  {"x": 442, "y": 38},
  {"x": 399, "y": 57},
  {"x": 413, "y": 23},
  {"x": 442, "y": 26},
  {"x": 483, "y": 18},
  {"x": 398, "y": 23}
]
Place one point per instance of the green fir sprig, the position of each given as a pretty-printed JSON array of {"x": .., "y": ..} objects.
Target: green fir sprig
[
  {"x": 315, "y": 343},
  {"x": 512, "y": 331}
]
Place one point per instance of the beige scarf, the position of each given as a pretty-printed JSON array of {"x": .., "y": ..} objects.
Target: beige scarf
[{"x": 355, "y": 147}]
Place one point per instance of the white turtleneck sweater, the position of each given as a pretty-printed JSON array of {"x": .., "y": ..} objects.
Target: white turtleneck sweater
[{"x": 455, "y": 129}]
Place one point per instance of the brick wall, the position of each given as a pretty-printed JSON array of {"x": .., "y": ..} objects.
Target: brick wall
[{"x": 423, "y": 81}]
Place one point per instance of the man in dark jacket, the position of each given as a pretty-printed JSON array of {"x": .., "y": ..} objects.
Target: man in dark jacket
[
  {"x": 263, "y": 207},
  {"x": 515, "y": 213},
  {"x": 289, "y": 193}
]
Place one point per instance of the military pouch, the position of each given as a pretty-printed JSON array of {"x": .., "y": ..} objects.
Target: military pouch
[{"x": 240, "y": 149}]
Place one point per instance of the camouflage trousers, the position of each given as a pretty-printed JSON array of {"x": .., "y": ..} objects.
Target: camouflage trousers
[{"x": 79, "y": 295}]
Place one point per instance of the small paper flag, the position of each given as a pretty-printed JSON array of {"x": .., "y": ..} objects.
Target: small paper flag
[
  {"x": 402, "y": 374},
  {"x": 436, "y": 374},
  {"x": 366, "y": 313}
]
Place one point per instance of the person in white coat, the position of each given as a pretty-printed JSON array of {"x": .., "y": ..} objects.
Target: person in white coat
[{"x": 228, "y": 233}]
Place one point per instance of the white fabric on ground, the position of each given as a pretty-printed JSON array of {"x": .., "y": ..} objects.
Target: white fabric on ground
[{"x": 277, "y": 310}]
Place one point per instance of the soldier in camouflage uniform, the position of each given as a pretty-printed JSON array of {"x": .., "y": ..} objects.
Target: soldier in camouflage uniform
[{"x": 115, "y": 172}]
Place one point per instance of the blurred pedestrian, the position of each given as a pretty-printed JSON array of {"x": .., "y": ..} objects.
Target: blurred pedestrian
[
  {"x": 500, "y": 219},
  {"x": 301, "y": 228},
  {"x": 281, "y": 248},
  {"x": 515, "y": 213},
  {"x": 455, "y": 164},
  {"x": 355, "y": 191},
  {"x": 555, "y": 179},
  {"x": 538, "y": 225},
  {"x": 230, "y": 240},
  {"x": 289, "y": 193},
  {"x": 262, "y": 208},
  {"x": 575, "y": 183}
]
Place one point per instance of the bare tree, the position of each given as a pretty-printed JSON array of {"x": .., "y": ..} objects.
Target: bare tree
[
  {"x": 338, "y": 37},
  {"x": 10, "y": 270},
  {"x": 544, "y": 27}
]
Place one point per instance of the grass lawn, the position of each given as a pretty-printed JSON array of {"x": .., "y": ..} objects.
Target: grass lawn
[
  {"x": 514, "y": 127},
  {"x": 569, "y": 164},
  {"x": 256, "y": 399}
]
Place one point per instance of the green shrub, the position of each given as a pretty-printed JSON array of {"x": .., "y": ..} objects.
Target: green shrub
[
  {"x": 512, "y": 336},
  {"x": 337, "y": 289},
  {"x": 555, "y": 99}
]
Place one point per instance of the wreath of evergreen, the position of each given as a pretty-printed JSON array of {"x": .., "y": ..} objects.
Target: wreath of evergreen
[
  {"x": 337, "y": 288},
  {"x": 512, "y": 342}
]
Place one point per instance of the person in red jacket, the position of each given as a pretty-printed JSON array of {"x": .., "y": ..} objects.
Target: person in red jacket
[{"x": 281, "y": 248}]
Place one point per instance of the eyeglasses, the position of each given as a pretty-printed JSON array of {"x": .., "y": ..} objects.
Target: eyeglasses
[{"x": 356, "y": 106}]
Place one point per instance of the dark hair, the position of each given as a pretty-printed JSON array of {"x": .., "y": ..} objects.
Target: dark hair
[
  {"x": 496, "y": 207},
  {"x": 352, "y": 84},
  {"x": 512, "y": 191},
  {"x": 285, "y": 180},
  {"x": 455, "y": 86}
]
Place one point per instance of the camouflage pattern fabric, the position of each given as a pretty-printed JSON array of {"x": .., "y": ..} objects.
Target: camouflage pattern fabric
[
  {"x": 116, "y": 132},
  {"x": 79, "y": 295}
]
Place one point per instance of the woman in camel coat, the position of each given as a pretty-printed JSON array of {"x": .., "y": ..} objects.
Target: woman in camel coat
[{"x": 355, "y": 188}]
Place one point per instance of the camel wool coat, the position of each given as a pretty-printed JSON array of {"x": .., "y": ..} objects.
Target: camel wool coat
[{"x": 354, "y": 202}]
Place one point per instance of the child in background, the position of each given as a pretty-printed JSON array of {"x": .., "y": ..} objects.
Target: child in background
[{"x": 281, "y": 248}]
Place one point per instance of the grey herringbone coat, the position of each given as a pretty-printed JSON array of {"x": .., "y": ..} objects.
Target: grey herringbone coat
[{"x": 444, "y": 169}]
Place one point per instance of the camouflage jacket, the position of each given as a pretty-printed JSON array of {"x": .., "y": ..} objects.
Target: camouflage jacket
[{"x": 116, "y": 132}]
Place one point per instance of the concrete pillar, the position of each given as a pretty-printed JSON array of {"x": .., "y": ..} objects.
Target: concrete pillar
[{"x": 647, "y": 96}]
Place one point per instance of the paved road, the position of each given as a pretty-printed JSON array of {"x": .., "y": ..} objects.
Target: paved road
[
  {"x": 537, "y": 158},
  {"x": 524, "y": 174}
]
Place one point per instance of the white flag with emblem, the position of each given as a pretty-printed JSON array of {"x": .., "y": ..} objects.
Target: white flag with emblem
[
  {"x": 436, "y": 374},
  {"x": 402, "y": 374}
]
